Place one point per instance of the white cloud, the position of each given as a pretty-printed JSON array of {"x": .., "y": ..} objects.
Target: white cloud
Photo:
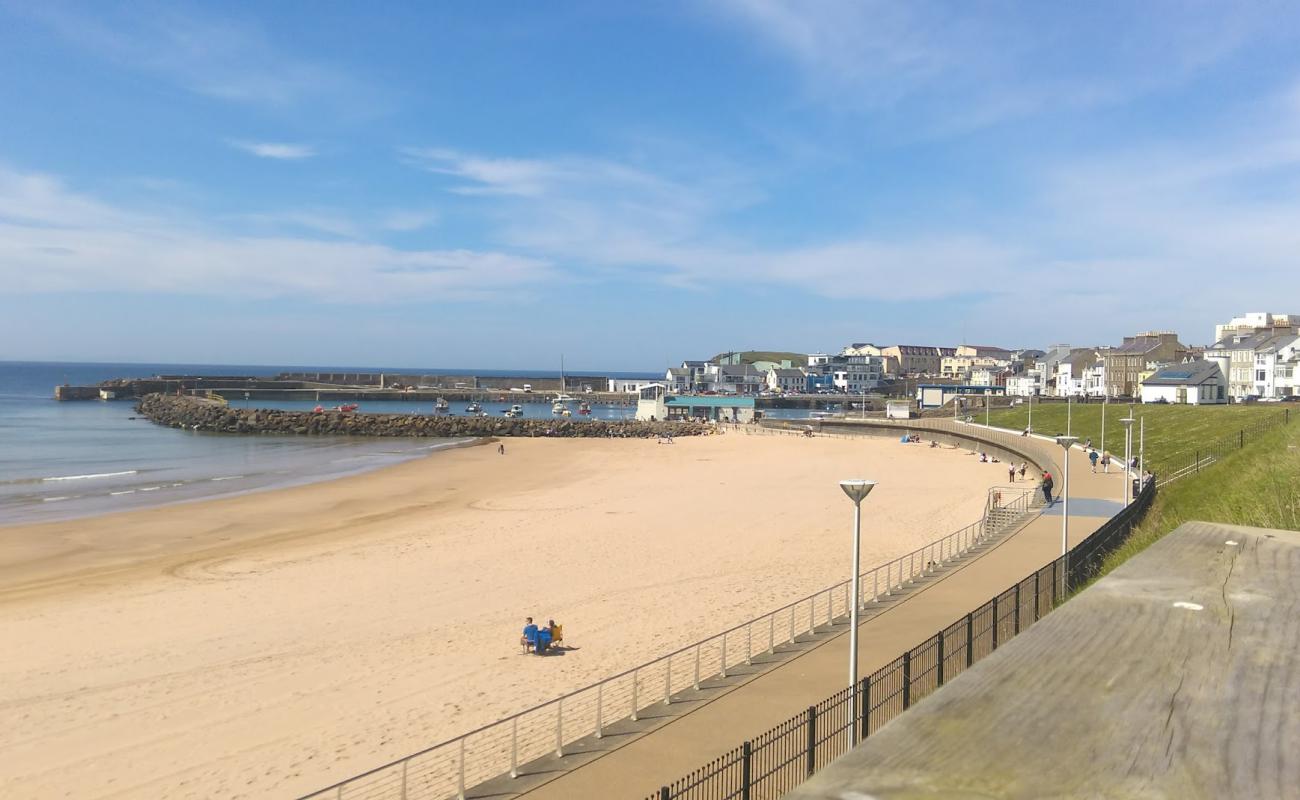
[
  {"x": 54, "y": 239},
  {"x": 954, "y": 67},
  {"x": 406, "y": 220},
  {"x": 214, "y": 56},
  {"x": 277, "y": 150}
]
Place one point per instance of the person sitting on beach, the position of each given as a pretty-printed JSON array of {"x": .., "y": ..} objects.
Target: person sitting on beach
[
  {"x": 984, "y": 458},
  {"x": 530, "y": 634},
  {"x": 933, "y": 443}
]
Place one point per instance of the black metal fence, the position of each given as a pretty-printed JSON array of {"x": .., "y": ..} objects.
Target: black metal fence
[
  {"x": 1207, "y": 454},
  {"x": 774, "y": 762}
]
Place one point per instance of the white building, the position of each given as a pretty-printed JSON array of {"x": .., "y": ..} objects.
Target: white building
[
  {"x": 1029, "y": 384},
  {"x": 786, "y": 381},
  {"x": 624, "y": 386},
  {"x": 1277, "y": 367},
  {"x": 858, "y": 374},
  {"x": 1247, "y": 324},
  {"x": 1195, "y": 383}
]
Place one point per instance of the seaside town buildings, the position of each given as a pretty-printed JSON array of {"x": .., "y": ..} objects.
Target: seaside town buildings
[{"x": 1139, "y": 355}]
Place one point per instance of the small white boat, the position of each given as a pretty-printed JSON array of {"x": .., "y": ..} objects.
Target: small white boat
[
  {"x": 473, "y": 408},
  {"x": 514, "y": 411},
  {"x": 558, "y": 408},
  {"x": 442, "y": 406}
]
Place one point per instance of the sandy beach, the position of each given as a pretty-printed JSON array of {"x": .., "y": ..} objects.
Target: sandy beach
[{"x": 270, "y": 644}]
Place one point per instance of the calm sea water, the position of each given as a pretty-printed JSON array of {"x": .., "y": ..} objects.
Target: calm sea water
[{"x": 69, "y": 459}]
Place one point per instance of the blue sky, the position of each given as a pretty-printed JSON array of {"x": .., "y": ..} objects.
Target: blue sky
[{"x": 470, "y": 184}]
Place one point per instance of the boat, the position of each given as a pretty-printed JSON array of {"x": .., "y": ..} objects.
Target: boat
[
  {"x": 558, "y": 407},
  {"x": 347, "y": 408},
  {"x": 107, "y": 394},
  {"x": 473, "y": 408},
  {"x": 514, "y": 411},
  {"x": 584, "y": 407},
  {"x": 442, "y": 406}
]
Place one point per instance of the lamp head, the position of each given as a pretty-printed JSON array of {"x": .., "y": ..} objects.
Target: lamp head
[
  {"x": 1128, "y": 421},
  {"x": 1067, "y": 441},
  {"x": 857, "y": 490}
]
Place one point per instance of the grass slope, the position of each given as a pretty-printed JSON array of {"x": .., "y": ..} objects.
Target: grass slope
[
  {"x": 1174, "y": 433},
  {"x": 750, "y": 356},
  {"x": 1258, "y": 485}
]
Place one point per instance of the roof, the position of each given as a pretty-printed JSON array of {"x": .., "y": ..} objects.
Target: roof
[
  {"x": 782, "y": 372},
  {"x": 1080, "y": 355},
  {"x": 709, "y": 401},
  {"x": 1194, "y": 373},
  {"x": 679, "y": 372}
]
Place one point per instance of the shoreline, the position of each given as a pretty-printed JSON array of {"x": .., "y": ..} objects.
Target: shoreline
[{"x": 272, "y": 643}]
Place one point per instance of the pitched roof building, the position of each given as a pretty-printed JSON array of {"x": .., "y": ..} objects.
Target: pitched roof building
[{"x": 1138, "y": 354}]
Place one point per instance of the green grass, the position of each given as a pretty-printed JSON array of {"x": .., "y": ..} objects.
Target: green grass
[
  {"x": 750, "y": 356},
  {"x": 1173, "y": 432},
  {"x": 1258, "y": 485}
]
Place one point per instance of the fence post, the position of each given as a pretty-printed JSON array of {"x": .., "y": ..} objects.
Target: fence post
[
  {"x": 514, "y": 747},
  {"x": 970, "y": 639},
  {"x": 1036, "y": 597},
  {"x": 746, "y": 751},
  {"x": 865, "y": 706},
  {"x": 460, "y": 777},
  {"x": 1015, "y": 629},
  {"x": 995, "y": 622},
  {"x": 907, "y": 680},
  {"x": 559, "y": 728},
  {"x": 1241, "y": 438},
  {"x": 635, "y": 681},
  {"x": 664, "y": 794},
  {"x": 812, "y": 739},
  {"x": 939, "y": 668}
]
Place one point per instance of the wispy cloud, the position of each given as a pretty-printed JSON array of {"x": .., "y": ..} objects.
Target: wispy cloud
[
  {"x": 222, "y": 57},
  {"x": 954, "y": 67},
  {"x": 278, "y": 150},
  {"x": 56, "y": 239},
  {"x": 406, "y": 220}
]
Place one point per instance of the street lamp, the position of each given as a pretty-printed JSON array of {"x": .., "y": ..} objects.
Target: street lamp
[
  {"x": 857, "y": 490},
  {"x": 1031, "y": 410},
  {"x": 1066, "y": 442},
  {"x": 1069, "y": 413},
  {"x": 1128, "y": 454}
]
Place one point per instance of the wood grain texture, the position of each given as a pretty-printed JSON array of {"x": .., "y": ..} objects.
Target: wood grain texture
[{"x": 1121, "y": 692}]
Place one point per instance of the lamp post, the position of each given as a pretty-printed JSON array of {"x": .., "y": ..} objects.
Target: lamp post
[
  {"x": 1066, "y": 442},
  {"x": 1069, "y": 413},
  {"x": 1031, "y": 410},
  {"x": 986, "y": 410},
  {"x": 1128, "y": 454},
  {"x": 1142, "y": 447},
  {"x": 857, "y": 490},
  {"x": 1104, "y": 402}
]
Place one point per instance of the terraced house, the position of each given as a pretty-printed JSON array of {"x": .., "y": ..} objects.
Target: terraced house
[{"x": 1139, "y": 355}]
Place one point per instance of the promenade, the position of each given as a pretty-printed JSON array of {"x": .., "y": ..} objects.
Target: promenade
[{"x": 715, "y": 725}]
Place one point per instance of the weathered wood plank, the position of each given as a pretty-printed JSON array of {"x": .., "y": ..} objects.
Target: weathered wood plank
[{"x": 1176, "y": 676}]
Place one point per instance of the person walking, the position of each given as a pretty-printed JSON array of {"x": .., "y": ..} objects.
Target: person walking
[
  {"x": 1023, "y": 467},
  {"x": 1105, "y": 463},
  {"x": 1092, "y": 456},
  {"x": 1011, "y": 472},
  {"x": 1047, "y": 487}
]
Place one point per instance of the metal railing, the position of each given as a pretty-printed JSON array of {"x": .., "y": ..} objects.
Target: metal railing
[
  {"x": 1209, "y": 453},
  {"x": 774, "y": 762},
  {"x": 447, "y": 769}
]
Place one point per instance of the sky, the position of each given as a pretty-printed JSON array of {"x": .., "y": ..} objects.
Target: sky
[{"x": 443, "y": 184}]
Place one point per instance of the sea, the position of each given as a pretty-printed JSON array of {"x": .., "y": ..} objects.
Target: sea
[{"x": 61, "y": 460}]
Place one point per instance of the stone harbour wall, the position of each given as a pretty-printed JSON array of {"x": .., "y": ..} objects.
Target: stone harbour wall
[{"x": 200, "y": 414}]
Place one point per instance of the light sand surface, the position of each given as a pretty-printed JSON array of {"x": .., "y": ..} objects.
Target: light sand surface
[{"x": 271, "y": 644}]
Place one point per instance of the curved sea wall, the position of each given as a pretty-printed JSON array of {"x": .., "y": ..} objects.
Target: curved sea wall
[{"x": 200, "y": 414}]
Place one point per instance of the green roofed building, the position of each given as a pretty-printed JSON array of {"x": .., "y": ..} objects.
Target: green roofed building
[{"x": 655, "y": 403}]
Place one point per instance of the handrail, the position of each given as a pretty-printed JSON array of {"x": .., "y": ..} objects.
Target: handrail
[{"x": 445, "y": 769}]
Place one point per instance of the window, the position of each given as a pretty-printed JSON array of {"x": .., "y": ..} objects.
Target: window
[{"x": 1259, "y": 375}]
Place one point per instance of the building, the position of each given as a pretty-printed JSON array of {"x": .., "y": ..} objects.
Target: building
[
  {"x": 1194, "y": 383},
  {"x": 678, "y": 379},
  {"x": 936, "y": 395},
  {"x": 861, "y": 349},
  {"x": 1258, "y": 364},
  {"x": 632, "y": 386},
  {"x": 917, "y": 359},
  {"x": 1254, "y": 322},
  {"x": 1030, "y": 384},
  {"x": 983, "y": 351},
  {"x": 787, "y": 381},
  {"x": 1126, "y": 363},
  {"x": 1073, "y": 372},
  {"x": 655, "y": 403},
  {"x": 960, "y": 367}
]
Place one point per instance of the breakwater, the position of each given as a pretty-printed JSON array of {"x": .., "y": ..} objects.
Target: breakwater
[{"x": 195, "y": 413}]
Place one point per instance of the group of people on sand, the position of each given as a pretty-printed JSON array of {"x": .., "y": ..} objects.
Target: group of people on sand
[{"x": 537, "y": 639}]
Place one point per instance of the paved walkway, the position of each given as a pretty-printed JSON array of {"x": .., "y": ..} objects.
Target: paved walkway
[
  {"x": 660, "y": 756},
  {"x": 1176, "y": 675}
]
